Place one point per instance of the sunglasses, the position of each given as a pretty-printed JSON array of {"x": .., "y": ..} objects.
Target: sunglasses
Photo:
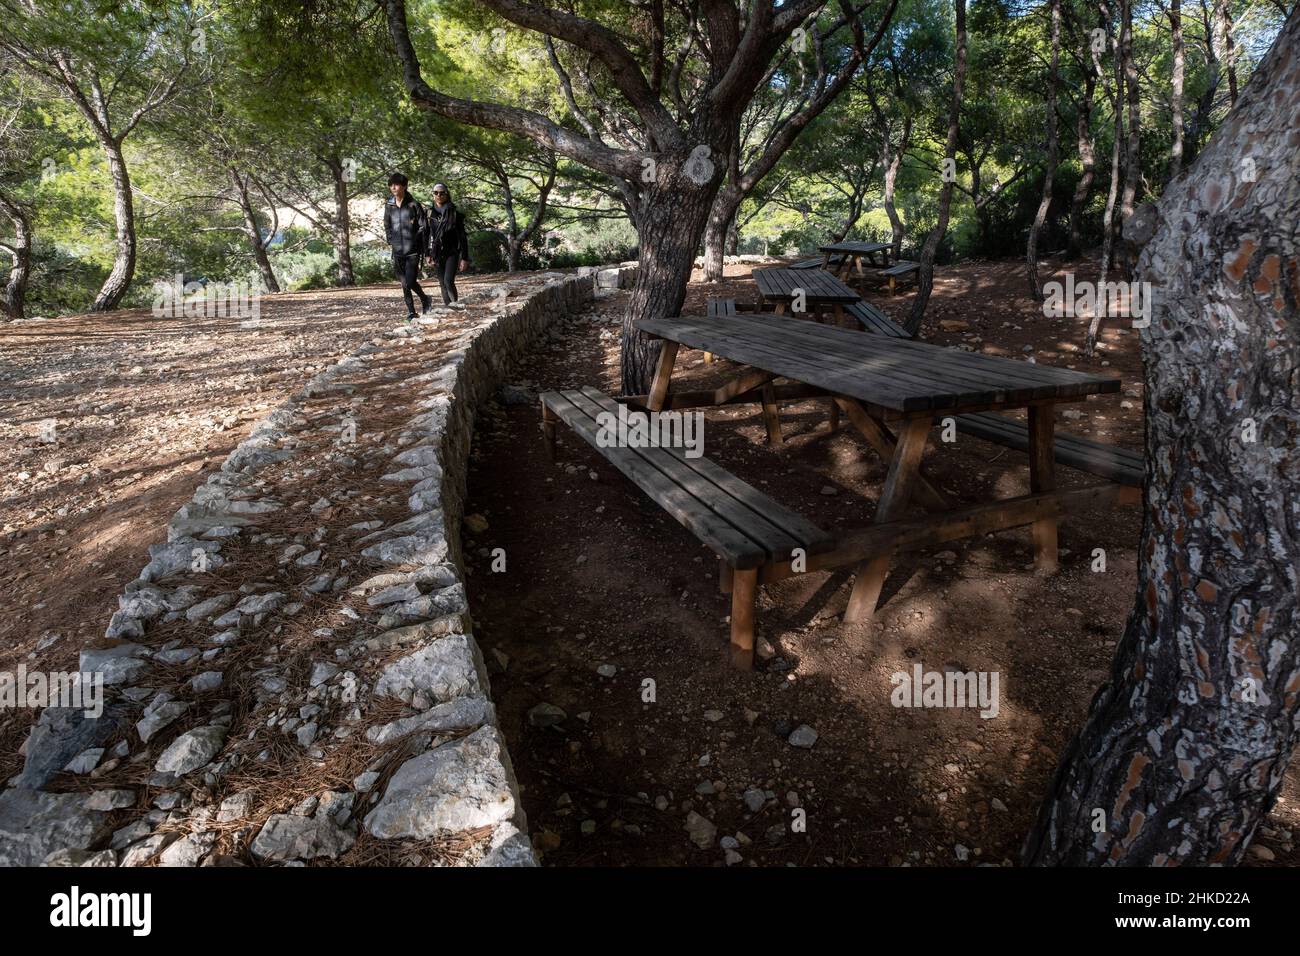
[{"x": 440, "y": 192}]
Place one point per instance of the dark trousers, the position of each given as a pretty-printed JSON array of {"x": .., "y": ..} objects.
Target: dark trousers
[
  {"x": 447, "y": 276},
  {"x": 407, "y": 269}
]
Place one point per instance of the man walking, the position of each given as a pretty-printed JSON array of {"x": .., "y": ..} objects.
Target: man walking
[
  {"x": 448, "y": 246},
  {"x": 406, "y": 226}
]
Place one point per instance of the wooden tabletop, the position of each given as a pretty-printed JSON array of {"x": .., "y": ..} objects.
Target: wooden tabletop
[
  {"x": 818, "y": 286},
  {"x": 862, "y": 248},
  {"x": 896, "y": 378}
]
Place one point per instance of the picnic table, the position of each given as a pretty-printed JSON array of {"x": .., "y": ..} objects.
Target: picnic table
[
  {"x": 892, "y": 391},
  {"x": 820, "y": 291},
  {"x": 851, "y": 254}
]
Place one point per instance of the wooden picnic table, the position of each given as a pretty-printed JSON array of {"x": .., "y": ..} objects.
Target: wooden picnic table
[
  {"x": 892, "y": 390},
  {"x": 851, "y": 255},
  {"x": 820, "y": 291}
]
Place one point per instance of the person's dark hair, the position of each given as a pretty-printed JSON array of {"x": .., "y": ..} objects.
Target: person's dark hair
[{"x": 399, "y": 179}]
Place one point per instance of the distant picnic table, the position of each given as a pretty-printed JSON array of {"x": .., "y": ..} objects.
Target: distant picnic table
[
  {"x": 820, "y": 291},
  {"x": 849, "y": 257}
]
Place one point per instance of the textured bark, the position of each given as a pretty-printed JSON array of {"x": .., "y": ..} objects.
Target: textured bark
[
  {"x": 1185, "y": 747},
  {"x": 115, "y": 286},
  {"x": 1176, "y": 88},
  {"x": 1088, "y": 163},
  {"x": 672, "y": 222},
  {"x": 254, "y": 233},
  {"x": 925, "y": 279},
  {"x": 13, "y": 301},
  {"x": 1045, "y": 203}
]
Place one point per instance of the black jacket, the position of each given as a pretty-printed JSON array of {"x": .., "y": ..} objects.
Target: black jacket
[
  {"x": 406, "y": 227},
  {"x": 447, "y": 238}
]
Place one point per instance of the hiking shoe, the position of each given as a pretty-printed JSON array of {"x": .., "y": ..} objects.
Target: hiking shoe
[
  {"x": 456, "y": 305},
  {"x": 411, "y": 317}
]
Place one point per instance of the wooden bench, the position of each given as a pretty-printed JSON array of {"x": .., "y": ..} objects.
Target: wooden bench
[
  {"x": 746, "y": 529},
  {"x": 818, "y": 262},
  {"x": 899, "y": 270},
  {"x": 873, "y": 320},
  {"x": 1116, "y": 464}
]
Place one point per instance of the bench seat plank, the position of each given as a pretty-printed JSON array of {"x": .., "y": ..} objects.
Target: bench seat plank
[
  {"x": 740, "y": 524},
  {"x": 1121, "y": 465}
]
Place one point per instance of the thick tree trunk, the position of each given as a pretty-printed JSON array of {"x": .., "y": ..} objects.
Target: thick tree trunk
[
  {"x": 732, "y": 246},
  {"x": 1184, "y": 750},
  {"x": 671, "y": 224},
  {"x": 925, "y": 279},
  {"x": 1045, "y": 203},
  {"x": 13, "y": 302},
  {"x": 253, "y": 232},
  {"x": 119, "y": 279},
  {"x": 1176, "y": 88}
]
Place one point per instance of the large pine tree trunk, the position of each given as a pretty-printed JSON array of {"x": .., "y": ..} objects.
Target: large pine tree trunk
[
  {"x": 1045, "y": 203},
  {"x": 925, "y": 278},
  {"x": 255, "y": 241},
  {"x": 669, "y": 231},
  {"x": 115, "y": 286},
  {"x": 1184, "y": 749},
  {"x": 13, "y": 301}
]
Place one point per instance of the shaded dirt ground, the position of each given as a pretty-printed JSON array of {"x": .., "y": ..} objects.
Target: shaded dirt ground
[
  {"x": 140, "y": 409},
  {"x": 596, "y": 574}
]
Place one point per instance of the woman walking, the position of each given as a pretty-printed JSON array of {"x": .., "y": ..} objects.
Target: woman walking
[
  {"x": 448, "y": 246},
  {"x": 406, "y": 227}
]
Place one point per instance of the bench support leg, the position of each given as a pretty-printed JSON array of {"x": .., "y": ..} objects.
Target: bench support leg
[
  {"x": 771, "y": 416},
  {"x": 744, "y": 592},
  {"x": 549, "y": 421},
  {"x": 1042, "y": 477},
  {"x": 724, "y": 577},
  {"x": 903, "y": 475}
]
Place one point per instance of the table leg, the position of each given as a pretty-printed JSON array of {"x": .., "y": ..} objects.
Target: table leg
[
  {"x": 663, "y": 372},
  {"x": 771, "y": 417},
  {"x": 778, "y": 308},
  {"x": 837, "y": 310},
  {"x": 1042, "y": 477},
  {"x": 903, "y": 472},
  {"x": 879, "y": 438},
  {"x": 549, "y": 421}
]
